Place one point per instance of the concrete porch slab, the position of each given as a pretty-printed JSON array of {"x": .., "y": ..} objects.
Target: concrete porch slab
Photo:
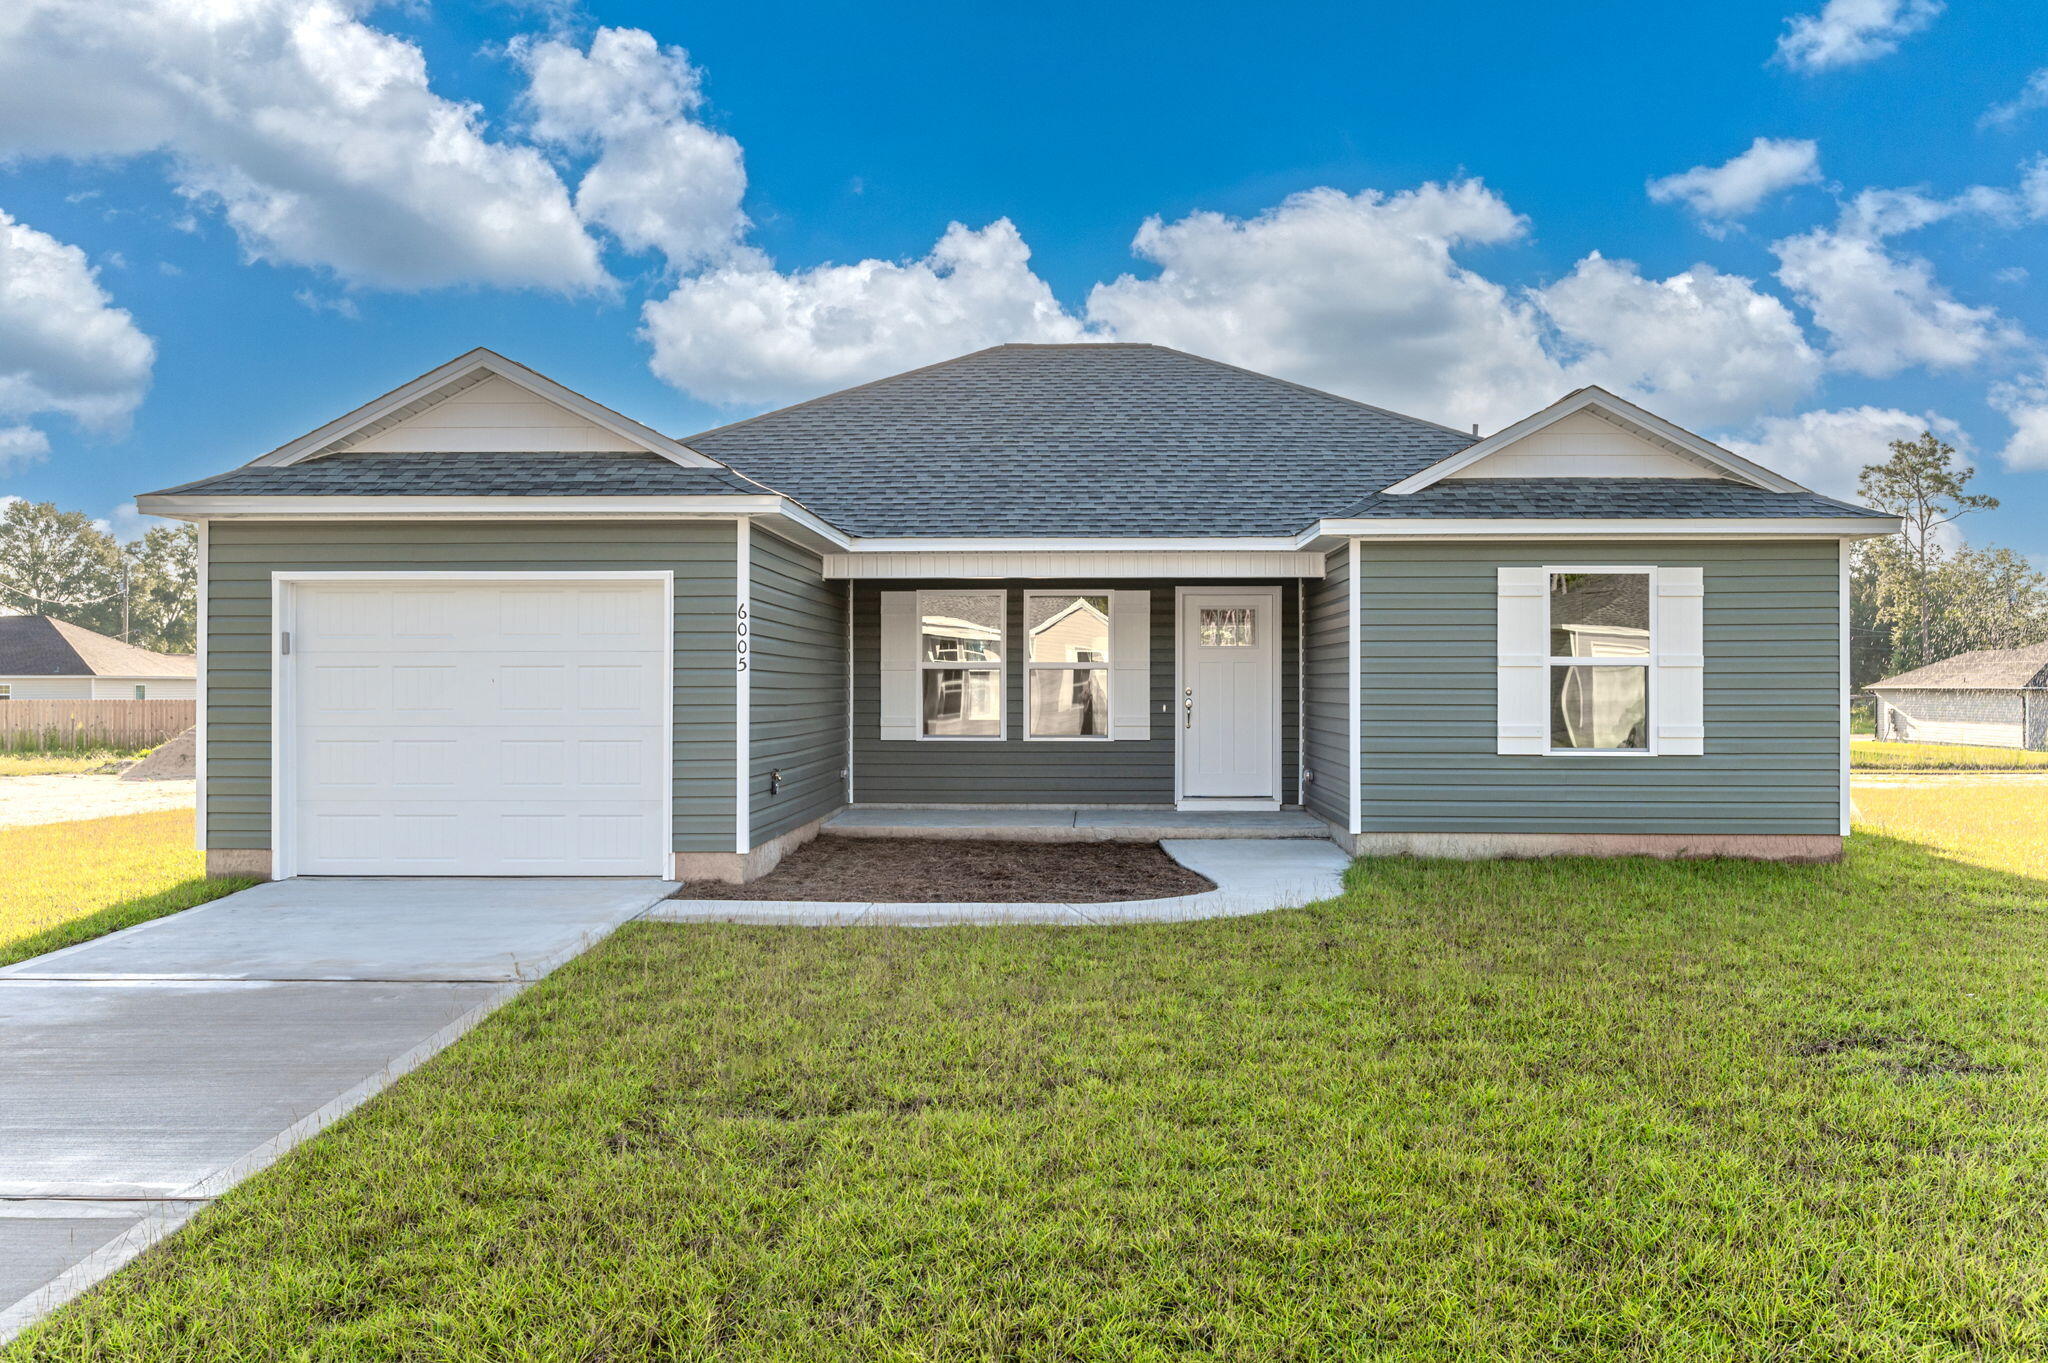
[{"x": 424, "y": 929}]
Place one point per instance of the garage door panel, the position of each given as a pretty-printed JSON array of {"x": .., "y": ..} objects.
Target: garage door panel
[{"x": 479, "y": 729}]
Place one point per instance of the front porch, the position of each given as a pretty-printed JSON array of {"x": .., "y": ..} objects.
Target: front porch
[{"x": 1077, "y": 824}]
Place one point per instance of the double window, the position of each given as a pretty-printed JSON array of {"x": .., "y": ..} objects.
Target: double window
[
  {"x": 962, "y": 664},
  {"x": 1600, "y": 654}
]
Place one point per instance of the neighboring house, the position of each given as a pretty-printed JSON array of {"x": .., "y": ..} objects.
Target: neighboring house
[
  {"x": 45, "y": 659},
  {"x": 483, "y": 625},
  {"x": 1993, "y": 697}
]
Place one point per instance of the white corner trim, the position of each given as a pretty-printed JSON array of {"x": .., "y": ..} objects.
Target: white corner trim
[
  {"x": 283, "y": 777},
  {"x": 743, "y": 679},
  {"x": 1357, "y": 701},
  {"x": 205, "y": 550},
  {"x": 1620, "y": 409},
  {"x": 513, "y": 372},
  {"x": 1848, "y": 809}
]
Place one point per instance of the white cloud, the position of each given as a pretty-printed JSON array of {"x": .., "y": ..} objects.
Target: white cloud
[
  {"x": 745, "y": 333},
  {"x": 2024, "y": 402},
  {"x": 1702, "y": 348},
  {"x": 2032, "y": 96},
  {"x": 1360, "y": 294},
  {"x": 1883, "y": 311},
  {"x": 316, "y": 135},
  {"x": 1850, "y": 32},
  {"x": 127, "y": 524},
  {"x": 1826, "y": 450},
  {"x": 65, "y": 349},
  {"x": 661, "y": 181},
  {"x": 1737, "y": 186}
]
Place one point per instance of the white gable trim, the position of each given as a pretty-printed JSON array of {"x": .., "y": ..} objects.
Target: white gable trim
[
  {"x": 1626, "y": 414},
  {"x": 462, "y": 372}
]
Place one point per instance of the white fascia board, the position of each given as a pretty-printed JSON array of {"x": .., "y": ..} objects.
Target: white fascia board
[
  {"x": 1697, "y": 446},
  {"x": 513, "y": 372},
  {"x": 897, "y": 544},
  {"x": 1754, "y": 528}
]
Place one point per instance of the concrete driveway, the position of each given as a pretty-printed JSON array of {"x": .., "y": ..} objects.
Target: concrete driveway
[{"x": 144, "y": 1073}]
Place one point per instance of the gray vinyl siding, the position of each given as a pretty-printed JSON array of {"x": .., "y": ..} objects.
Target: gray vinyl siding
[
  {"x": 1772, "y": 699},
  {"x": 796, "y": 688},
  {"x": 1327, "y": 721},
  {"x": 1014, "y": 771},
  {"x": 242, "y": 556}
]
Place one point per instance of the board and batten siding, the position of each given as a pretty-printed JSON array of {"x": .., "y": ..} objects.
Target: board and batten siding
[
  {"x": 797, "y": 688},
  {"x": 1013, "y": 770},
  {"x": 1326, "y": 727},
  {"x": 242, "y": 555},
  {"x": 1772, "y": 699}
]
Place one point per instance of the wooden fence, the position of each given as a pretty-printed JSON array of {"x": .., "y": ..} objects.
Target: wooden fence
[{"x": 45, "y": 725}]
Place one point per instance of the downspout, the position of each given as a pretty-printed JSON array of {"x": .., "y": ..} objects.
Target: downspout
[
  {"x": 1357, "y": 704},
  {"x": 199, "y": 713},
  {"x": 1301, "y": 692}
]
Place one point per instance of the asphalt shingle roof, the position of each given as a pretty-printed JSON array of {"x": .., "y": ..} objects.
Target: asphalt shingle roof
[
  {"x": 1070, "y": 440},
  {"x": 1599, "y": 498},
  {"x": 474, "y": 475},
  {"x": 1078, "y": 440},
  {"x": 37, "y": 646},
  {"x": 1985, "y": 669}
]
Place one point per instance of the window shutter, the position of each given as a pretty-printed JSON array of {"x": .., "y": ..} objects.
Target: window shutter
[
  {"x": 1130, "y": 665},
  {"x": 1679, "y": 686},
  {"x": 899, "y": 665},
  {"x": 1522, "y": 654}
]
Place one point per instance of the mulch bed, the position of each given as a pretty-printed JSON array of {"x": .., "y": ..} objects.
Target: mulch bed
[{"x": 946, "y": 870}]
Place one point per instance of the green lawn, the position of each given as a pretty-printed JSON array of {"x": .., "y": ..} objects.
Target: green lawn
[
  {"x": 64, "y": 882},
  {"x": 1942, "y": 757},
  {"x": 1571, "y": 1109}
]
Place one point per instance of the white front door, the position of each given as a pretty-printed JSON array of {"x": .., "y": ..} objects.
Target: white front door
[
  {"x": 475, "y": 728},
  {"x": 1230, "y": 695}
]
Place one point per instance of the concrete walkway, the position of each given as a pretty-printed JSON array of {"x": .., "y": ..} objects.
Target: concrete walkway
[
  {"x": 1251, "y": 876},
  {"x": 144, "y": 1073}
]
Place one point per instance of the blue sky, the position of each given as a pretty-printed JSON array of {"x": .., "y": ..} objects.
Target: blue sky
[{"x": 217, "y": 238}]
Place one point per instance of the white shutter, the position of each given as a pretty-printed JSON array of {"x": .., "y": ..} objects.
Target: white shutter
[
  {"x": 1522, "y": 713},
  {"x": 1679, "y": 686},
  {"x": 899, "y": 665},
  {"x": 1130, "y": 665}
]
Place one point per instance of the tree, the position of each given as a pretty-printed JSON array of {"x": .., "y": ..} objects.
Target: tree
[
  {"x": 58, "y": 563},
  {"x": 163, "y": 582},
  {"x": 1922, "y": 485}
]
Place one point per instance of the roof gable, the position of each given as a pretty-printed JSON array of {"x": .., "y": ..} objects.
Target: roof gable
[
  {"x": 475, "y": 399},
  {"x": 1984, "y": 669},
  {"x": 37, "y": 646},
  {"x": 1591, "y": 433}
]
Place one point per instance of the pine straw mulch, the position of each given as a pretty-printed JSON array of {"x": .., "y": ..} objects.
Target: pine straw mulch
[{"x": 949, "y": 870}]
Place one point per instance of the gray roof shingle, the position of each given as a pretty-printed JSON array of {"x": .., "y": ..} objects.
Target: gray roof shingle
[
  {"x": 474, "y": 475},
  {"x": 1984, "y": 669},
  {"x": 1096, "y": 440},
  {"x": 37, "y": 646},
  {"x": 1078, "y": 440},
  {"x": 1599, "y": 499}
]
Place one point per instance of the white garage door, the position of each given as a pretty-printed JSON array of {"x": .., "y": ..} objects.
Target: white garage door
[{"x": 477, "y": 728}]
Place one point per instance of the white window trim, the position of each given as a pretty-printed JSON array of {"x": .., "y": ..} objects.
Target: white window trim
[
  {"x": 1648, "y": 662},
  {"x": 1108, "y": 676},
  {"x": 1001, "y": 668},
  {"x": 284, "y": 683}
]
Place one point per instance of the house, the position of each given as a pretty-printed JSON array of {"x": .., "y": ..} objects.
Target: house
[
  {"x": 1992, "y": 697},
  {"x": 45, "y": 659},
  {"x": 484, "y": 625}
]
